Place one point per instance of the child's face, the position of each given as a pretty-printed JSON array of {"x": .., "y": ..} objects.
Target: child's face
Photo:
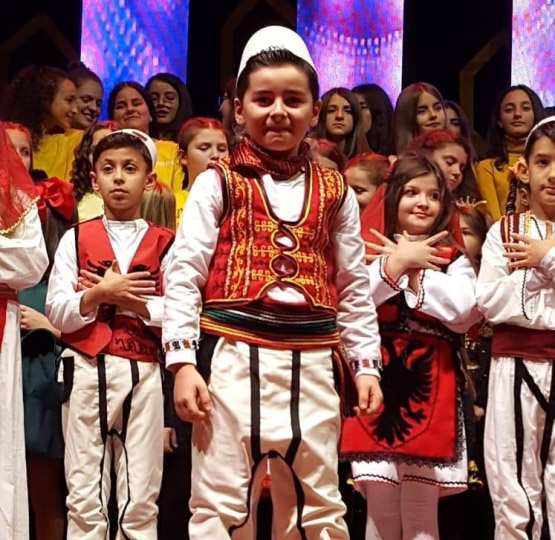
[
  {"x": 472, "y": 242},
  {"x": 166, "y": 101},
  {"x": 419, "y": 205},
  {"x": 339, "y": 118},
  {"x": 131, "y": 110},
  {"x": 208, "y": 145},
  {"x": 121, "y": 176},
  {"x": 63, "y": 107},
  {"x": 366, "y": 113},
  {"x": 516, "y": 115},
  {"x": 452, "y": 160},
  {"x": 22, "y": 146},
  {"x": 453, "y": 122},
  {"x": 430, "y": 113},
  {"x": 363, "y": 188},
  {"x": 89, "y": 100},
  {"x": 540, "y": 175},
  {"x": 277, "y": 109}
]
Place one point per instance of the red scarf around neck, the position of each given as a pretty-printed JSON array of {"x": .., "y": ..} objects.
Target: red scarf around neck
[{"x": 250, "y": 155}]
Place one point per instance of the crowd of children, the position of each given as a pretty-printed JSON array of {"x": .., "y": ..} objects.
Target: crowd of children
[{"x": 324, "y": 299}]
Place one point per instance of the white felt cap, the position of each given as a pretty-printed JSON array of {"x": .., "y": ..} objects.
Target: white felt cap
[
  {"x": 145, "y": 139},
  {"x": 547, "y": 120},
  {"x": 275, "y": 37}
]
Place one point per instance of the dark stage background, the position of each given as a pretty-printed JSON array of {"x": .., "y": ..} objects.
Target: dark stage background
[{"x": 462, "y": 47}]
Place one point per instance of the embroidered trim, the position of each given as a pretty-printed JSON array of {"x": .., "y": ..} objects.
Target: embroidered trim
[
  {"x": 421, "y": 291},
  {"x": 365, "y": 363},
  {"x": 375, "y": 478},
  {"x": 181, "y": 345},
  {"x": 385, "y": 276}
]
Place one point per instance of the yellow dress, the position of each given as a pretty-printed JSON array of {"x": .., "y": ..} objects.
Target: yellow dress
[
  {"x": 168, "y": 168},
  {"x": 56, "y": 153},
  {"x": 180, "y": 200},
  {"x": 90, "y": 206},
  {"x": 493, "y": 182}
]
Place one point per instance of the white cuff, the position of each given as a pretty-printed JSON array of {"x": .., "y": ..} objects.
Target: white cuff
[
  {"x": 368, "y": 371},
  {"x": 183, "y": 356}
]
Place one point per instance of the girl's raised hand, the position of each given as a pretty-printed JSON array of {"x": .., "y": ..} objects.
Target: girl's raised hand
[
  {"x": 387, "y": 246},
  {"x": 421, "y": 254}
]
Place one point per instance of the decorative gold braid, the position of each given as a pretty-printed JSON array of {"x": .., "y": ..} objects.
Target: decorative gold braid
[{"x": 11, "y": 228}]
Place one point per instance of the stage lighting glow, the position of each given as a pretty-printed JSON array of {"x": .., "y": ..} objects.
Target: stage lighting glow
[
  {"x": 534, "y": 47},
  {"x": 128, "y": 40},
  {"x": 354, "y": 41}
]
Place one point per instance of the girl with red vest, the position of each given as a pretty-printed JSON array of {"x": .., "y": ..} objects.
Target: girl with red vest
[
  {"x": 23, "y": 261},
  {"x": 516, "y": 293},
  {"x": 106, "y": 296},
  {"x": 413, "y": 451}
]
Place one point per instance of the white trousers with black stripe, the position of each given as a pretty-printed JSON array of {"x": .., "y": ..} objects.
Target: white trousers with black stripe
[
  {"x": 271, "y": 409},
  {"x": 519, "y": 447},
  {"x": 114, "y": 413}
]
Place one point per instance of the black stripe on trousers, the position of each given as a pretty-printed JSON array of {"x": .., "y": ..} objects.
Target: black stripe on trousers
[
  {"x": 523, "y": 375},
  {"x": 255, "y": 433},
  {"x": 103, "y": 419},
  {"x": 123, "y": 435}
]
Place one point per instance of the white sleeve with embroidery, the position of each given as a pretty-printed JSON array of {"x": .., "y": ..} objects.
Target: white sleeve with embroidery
[
  {"x": 382, "y": 287},
  {"x": 449, "y": 297},
  {"x": 522, "y": 297},
  {"x": 187, "y": 270},
  {"x": 356, "y": 312}
]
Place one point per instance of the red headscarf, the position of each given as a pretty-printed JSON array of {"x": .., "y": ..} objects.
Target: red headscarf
[{"x": 17, "y": 191}]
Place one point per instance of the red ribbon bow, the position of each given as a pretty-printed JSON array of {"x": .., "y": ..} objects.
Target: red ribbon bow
[{"x": 58, "y": 196}]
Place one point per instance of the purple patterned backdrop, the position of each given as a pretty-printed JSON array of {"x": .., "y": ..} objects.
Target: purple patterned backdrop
[
  {"x": 134, "y": 39},
  {"x": 354, "y": 41},
  {"x": 534, "y": 46}
]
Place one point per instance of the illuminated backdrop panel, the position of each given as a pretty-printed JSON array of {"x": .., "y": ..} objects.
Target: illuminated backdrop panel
[
  {"x": 134, "y": 39},
  {"x": 534, "y": 47},
  {"x": 354, "y": 41}
]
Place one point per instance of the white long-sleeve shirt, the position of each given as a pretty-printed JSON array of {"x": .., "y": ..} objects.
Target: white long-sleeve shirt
[
  {"x": 23, "y": 257},
  {"x": 447, "y": 296},
  {"x": 62, "y": 299},
  {"x": 195, "y": 244},
  {"x": 523, "y": 298}
]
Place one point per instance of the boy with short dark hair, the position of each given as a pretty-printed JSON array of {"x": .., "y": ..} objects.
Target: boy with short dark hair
[
  {"x": 106, "y": 296},
  {"x": 269, "y": 247}
]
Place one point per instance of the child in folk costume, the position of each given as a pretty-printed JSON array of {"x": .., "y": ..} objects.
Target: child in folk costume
[
  {"x": 413, "y": 451},
  {"x": 516, "y": 292},
  {"x": 106, "y": 296},
  {"x": 269, "y": 247},
  {"x": 23, "y": 261}
]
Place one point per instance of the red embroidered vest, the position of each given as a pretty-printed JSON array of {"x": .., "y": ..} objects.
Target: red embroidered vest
[
  {"x": 119, "y": 335},
  {"x": 246, "y": 262}
]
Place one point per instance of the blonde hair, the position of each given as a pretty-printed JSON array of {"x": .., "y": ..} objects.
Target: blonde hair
[{"x": 158, "y": 206}]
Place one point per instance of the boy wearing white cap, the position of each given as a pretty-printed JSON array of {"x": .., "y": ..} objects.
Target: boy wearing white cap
[
  {"x": 269, "y": 252},
  {"x": 106, "y": 296}
]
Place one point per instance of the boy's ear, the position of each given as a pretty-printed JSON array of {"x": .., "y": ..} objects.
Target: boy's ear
[
  {"x": 315, "y": 113},
  {"x": 150, "y": 181},
  {"x": 522, "y": 171},
  {"x": 238, "y": 108},
  {"x": 94, "y": 182}
]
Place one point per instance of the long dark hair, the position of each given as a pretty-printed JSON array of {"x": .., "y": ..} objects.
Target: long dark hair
[
  {"x": 405, "y": 112},
  {"x": 404, "y": 170},
  {"x": 380, "y": 136},
  {"x": 465, "y": 127},
  {"x": 153, "y": 125},
  {"x": 184, "y": 110},
  {"x": 496, "y": 146},
  {"x": 355, "y": 142},
  {"x": 28, "y": 98},
  {"x": 82, "y": 166}
]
